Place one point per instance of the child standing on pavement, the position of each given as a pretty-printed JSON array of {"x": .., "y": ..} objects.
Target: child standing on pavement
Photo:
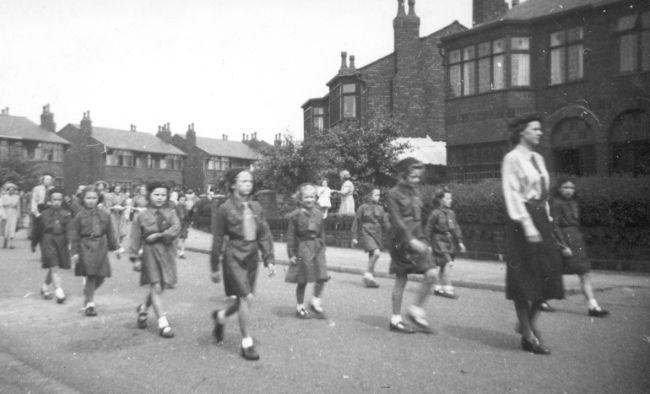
[
  {"x": 91, "y": 237},
  {"x": 306, "y": 250},
  {"x": 324, "y": 192},
  {"x": 239, "y": 223},
  {"x": 443, "y": 232},
  {"x": 52, "y": 236},
  {"x": 368, "y": 227},
  {"x": 154, "y": 231},
  {"x": 409, "y": 251},
  {"x": 566, "y": 220}
]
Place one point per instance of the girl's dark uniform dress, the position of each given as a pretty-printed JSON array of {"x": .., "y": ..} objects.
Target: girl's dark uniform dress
[
  {"x": 373, "y": 220},
  {"x": 534, "y": 270},
  {"x": 239, "y": 233},
  {"x": 158, "y": 257},
  {"x": 184, "y": 217},
  {"x": 566, "y": 217},
  {"x": 53, "y": 238},
  {"x": 306, "y": 242},
  {"x": 444, "y": 234},
  {"x": 91, "y": 237},
  {"x": 405, "y": 213}
]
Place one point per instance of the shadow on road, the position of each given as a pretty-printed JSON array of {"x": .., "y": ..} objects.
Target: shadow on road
[
  {"x": 373, "y": 320},
  {"x": 488, "y": 337}
]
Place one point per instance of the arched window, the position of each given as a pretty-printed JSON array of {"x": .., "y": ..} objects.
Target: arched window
[
  {"x": 630, "y": 143},
  {"x": 573, "y": 146}
]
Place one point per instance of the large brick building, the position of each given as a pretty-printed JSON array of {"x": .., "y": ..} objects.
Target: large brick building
[
  {"x": 41, "y": 145},
  {"x": 407, "y": 83},
  {"x": 584, "y": 64},
  {"x": 125, "y": 157},
  {"x": 209, "y": 158}
]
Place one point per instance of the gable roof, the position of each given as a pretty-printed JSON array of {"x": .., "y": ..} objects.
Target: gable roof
[
  {"x": 21, "y": 128},
  {"x": 223, "y": 148},
  {"x": 133, "y": 140}
]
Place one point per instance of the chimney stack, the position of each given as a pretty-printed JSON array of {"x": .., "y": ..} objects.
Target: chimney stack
[
  {"x": 352, "y": 66},
  {"x": 5, "y": 111},
  {"x": 190, "y": 135},
  {"x": 344, "y": 61},
  {"x": 133, "y": 128},
  {"x": 412, "y": 8},
  {"x": 224, "y": 137},
  {"x": 47, "y": 119},
  {"x": 86, "y": 124},
  {"x": 164, "y": 133}
]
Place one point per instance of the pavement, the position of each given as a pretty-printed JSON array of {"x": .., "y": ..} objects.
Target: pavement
[
  {"x": 50, "y": 348},
  {"x": 467, "y": 273}
]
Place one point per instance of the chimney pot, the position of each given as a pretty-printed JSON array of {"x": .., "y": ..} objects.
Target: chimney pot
[
  {"x": 344, "y": 61},
  {"x": 411, "y": 7},
  {"x": 352, "y": 66}
]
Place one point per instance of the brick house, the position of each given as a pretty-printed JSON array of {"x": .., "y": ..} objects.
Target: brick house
[
  {"x": 39, "y": 144},
  {"x": 126, "y": 157},
  {"x": 407, "y": 83},
  {"x": 583, "y": 64},
  {"x": 209, "y": 158}
]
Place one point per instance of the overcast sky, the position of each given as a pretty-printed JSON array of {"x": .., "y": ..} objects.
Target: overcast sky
[{"x": 228, "y": 66}]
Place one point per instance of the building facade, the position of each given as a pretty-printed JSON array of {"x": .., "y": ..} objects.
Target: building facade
[
  {"x": 125, "y": 157},
  {"x": 408, "y": 84},
  {"x": 208, "y": 159},
  {"x": 20, "y": 137},
  {"x": 583, "y": 64}
]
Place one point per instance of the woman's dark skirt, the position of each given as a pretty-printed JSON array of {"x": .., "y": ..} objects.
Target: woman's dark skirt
[{"x": 534, "y": 270}]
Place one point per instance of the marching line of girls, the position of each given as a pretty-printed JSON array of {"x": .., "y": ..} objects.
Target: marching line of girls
[{"x": 241, "y": 234}]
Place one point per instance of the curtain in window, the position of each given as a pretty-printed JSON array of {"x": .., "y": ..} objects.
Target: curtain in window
[
  {"x": 575, "y": 62},
  {"x": 454, "y": 80},
  {"x": 498, "y": 71},
  {"x": 628, "y": 55},
  {"x": 520, "y": 69},
  {"x": 469, "y": 72}
]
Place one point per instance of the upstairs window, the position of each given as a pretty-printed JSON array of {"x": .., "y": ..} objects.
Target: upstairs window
[
  {"x": 318, "y": 118},
  {"x": 566, "y": 48},
  {"x": 349, "y": 100},
  {"x": 634, "y": 42},
  {"x": 520, "y": 61},
  {"x": 455, "y": 81},
  {"x": 343, "y": 102}
]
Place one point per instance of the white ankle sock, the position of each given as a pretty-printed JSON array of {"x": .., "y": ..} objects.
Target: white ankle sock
[
  {"x": 394, "y": 319},
  {"x": 368, "y": 275},
  {"x": 45, "y": 287},
  {"x": 89, "y": 304},
  {"x": 162, "y": 322},
  {"x": 316, "y": 302},
  {"x": 448, "y": 289},
  {"x": 221, "y": 316},
  {"x": 437, "y": 287},
  {"x": 416, "y": 311},
  {"x": 247, "y": 342},
  {"x": 300, "y": 307},
  {"x": 593, "y": 304},
  {"x": 58, "y": 292}
]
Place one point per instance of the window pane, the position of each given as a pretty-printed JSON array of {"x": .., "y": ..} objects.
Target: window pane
[
  {"x": 318, "y": 110},
  {"x": 574, "y": 34},
  {"x": 575, "y": 62},
  {"x": 498, "y": 74},
  {"x": 645, "y": 50},
  {"x": 626, "y": 23},
  {"x": 498, "y": 45},
  {"x": 484, "y": 83},
  {"x": 557, "y": 65},
  {"x": 469, "y": 69},
  {"x": 627, "y": 52},
  {"x": 645, "y": 20},
  {"x": 454, "y": 80},
  {"x": 468, "y": 53},
  {"x": 349, "y": 88},
  {"x": 483, "y": 49},
  {"x": 520, "y": 69},
  {"x": 335, "y": 110},
  {"x": 520, "y": 43},
  {"x": 557, "y": 38},
  {"x": 318, "y": 123},
  {"x": 349, "y": 106},
  {"x": 454, "y": 56}
]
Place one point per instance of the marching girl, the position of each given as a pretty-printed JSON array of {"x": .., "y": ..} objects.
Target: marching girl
[
  {"x": 446, "y": 238},
  {"x": 154, "y": 230},
  {"x": 91, "y": 238},
  {"x": 368, "y": 226},
  {"x": 239, "y": 223},
  {"x": 53, "y": 238},
  {"x": 306, "y": 250}
]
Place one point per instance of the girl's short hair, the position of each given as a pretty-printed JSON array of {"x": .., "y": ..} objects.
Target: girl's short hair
[
  {"x": 231, "y": 176},
  {"x": 561, "y": 181},
  {"x": 53, "y": 191},
  {"x": 86, "y": 190},
  {"x": 519, "y": 124},
  {"x": 404, "y": 166},
  {"x": 345, "y": 174},
  {"x": 301, "y": 190},
  {"x": 439, "y": 194}
]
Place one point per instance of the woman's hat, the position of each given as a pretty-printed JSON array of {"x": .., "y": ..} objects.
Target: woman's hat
[{"x": 407, "y": 164}]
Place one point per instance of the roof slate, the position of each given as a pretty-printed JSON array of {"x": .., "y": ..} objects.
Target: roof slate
[
  {"x": 532, "y": 9},
  {"x": 21, "y": 128},
  {"x": 223, "y": 148},
  {"x": 133, "y": 140}
]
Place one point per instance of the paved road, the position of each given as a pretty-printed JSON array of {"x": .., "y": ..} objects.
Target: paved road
[{"x": 45, "y": 347}]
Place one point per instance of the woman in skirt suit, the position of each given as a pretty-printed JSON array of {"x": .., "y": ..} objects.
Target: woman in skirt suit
[{"x": 534, "y": 267}]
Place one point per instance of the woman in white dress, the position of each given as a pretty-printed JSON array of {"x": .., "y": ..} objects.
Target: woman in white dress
[
  {"x": 347, "y": 195},
  {"x": 10, "y": 202}
]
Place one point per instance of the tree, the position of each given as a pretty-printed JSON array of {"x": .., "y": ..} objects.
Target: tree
[{"x": 15, "y": 168}]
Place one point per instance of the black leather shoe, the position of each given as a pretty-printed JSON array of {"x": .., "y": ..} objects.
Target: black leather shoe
[
  {"x": 534, "y": 346},
  {"x": 218, "y": 327},
  {"x": 249, "y": 353},
  {"x": 598, "y": 312},
  {"x": 303, "y": 314},
  {"x": 545, "y": 307},
  {"x": 401, "y": 327},
  {"x": 448, "y": 294}
]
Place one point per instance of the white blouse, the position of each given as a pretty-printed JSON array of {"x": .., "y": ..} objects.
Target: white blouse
[{"x": 522, "y": 183}]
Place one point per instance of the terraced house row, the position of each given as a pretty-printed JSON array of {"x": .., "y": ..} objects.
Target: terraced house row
[
  {"x": 584, "y": 64},
  {"x": 83, "y": 153}
]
